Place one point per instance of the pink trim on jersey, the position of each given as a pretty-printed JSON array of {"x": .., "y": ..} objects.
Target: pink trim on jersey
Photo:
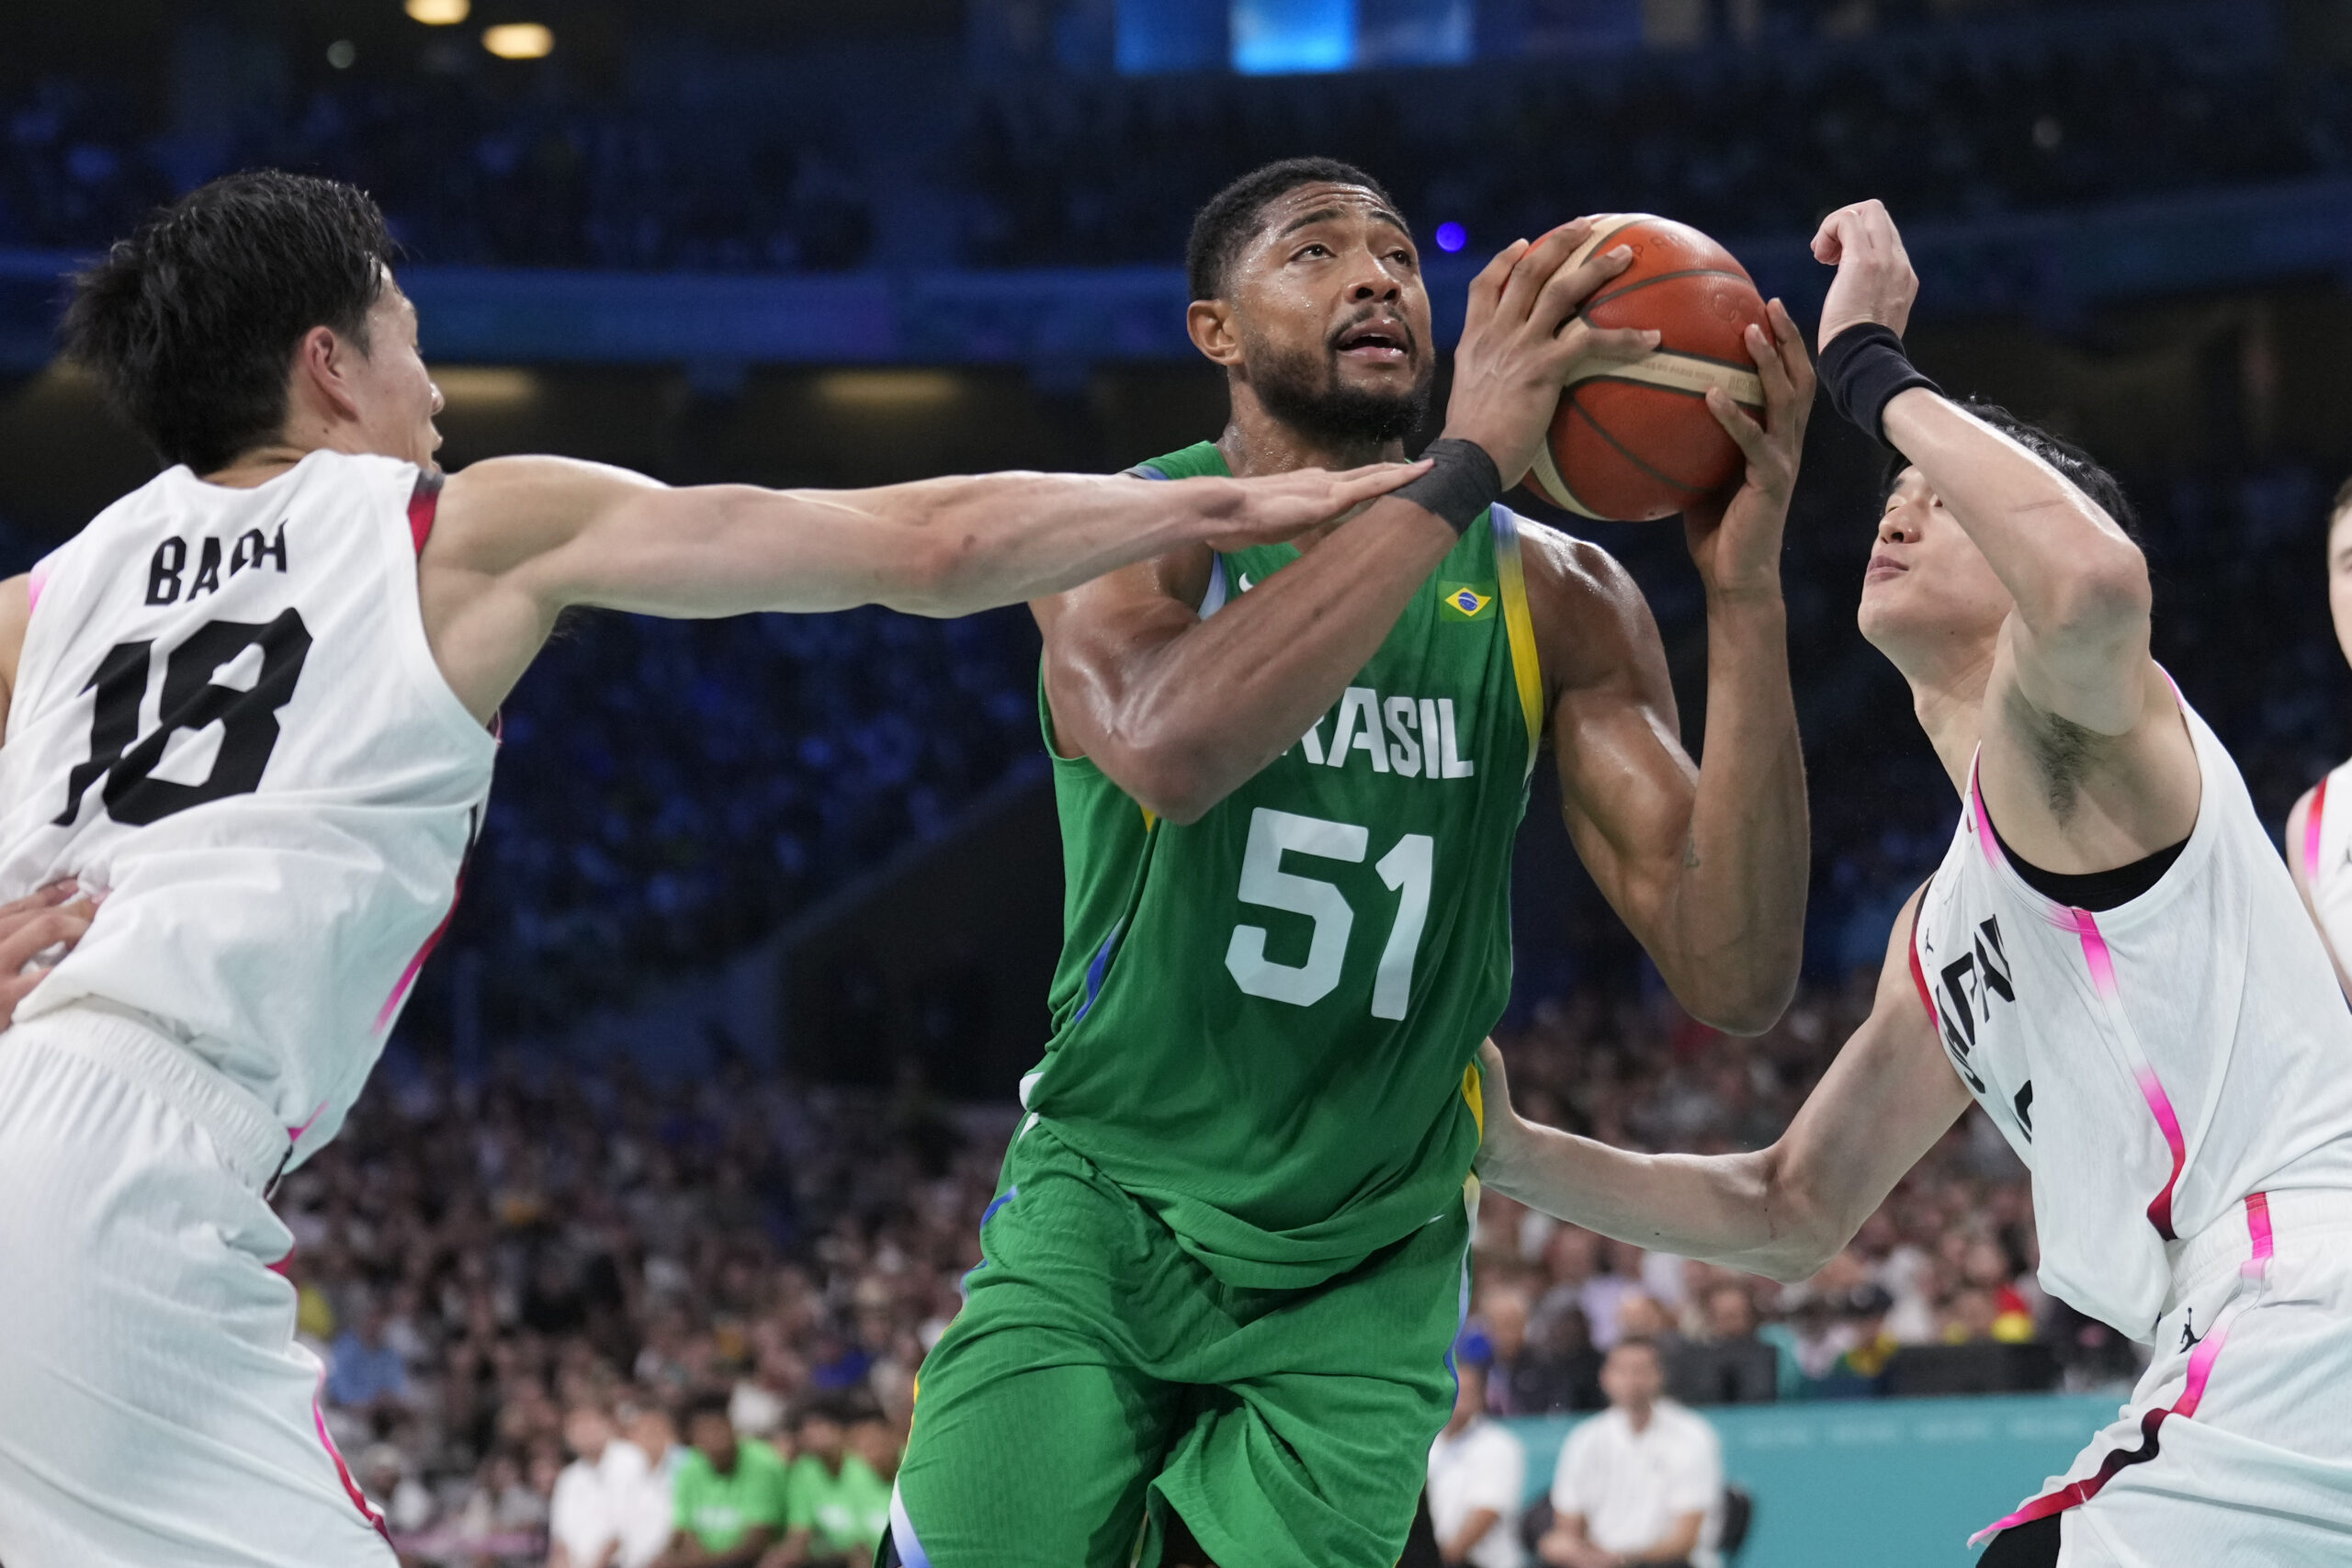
[
  {"x": 1991, "y": 845},
  {"x": 343, "y": 1471},
  {"x": 2255, "y": 1271},
  {"x": 2101, "y": 965},
  {"x": 408, "y": 976},
  {"x": 34, "y": 584},
  {"x": 2257, "y": 1223},
  {"x": 2311, "y": 832}
]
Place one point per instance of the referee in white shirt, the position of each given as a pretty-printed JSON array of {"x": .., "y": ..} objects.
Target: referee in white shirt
[
  {"x": 1642, "y": 1482},
  {"x": 1477, "y": 1474}
]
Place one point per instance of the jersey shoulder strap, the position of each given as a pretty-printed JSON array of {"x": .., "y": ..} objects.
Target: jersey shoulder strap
[{"x": 1200, "y": 460}]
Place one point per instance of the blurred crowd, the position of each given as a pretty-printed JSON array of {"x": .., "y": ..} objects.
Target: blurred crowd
[
  {"x": 467, "y": 170},
  {"x": 683, "y": 160},
  {"x": 503, "y": 1274},
  {"x": 1741, "y": 145}
]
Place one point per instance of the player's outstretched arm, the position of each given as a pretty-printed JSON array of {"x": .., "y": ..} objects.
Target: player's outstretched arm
[
  {"x": 2079, "y": 637},
  {"x": 518, "y": 540},
  {"x": 1180, "y": 711},
  {"x": 1706, "y": 865},
  {"x": 1784, "y": 1210}
]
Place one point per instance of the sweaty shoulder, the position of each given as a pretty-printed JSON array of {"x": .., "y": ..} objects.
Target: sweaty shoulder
[
  {"x": 1592, "y": 624},
  {"x": 501, "y": 511}
]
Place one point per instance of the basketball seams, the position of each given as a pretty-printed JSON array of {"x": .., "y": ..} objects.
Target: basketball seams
[
  {"x": 1685, "y": 375},
  {"x": 1599, "y": 300},
  {"x": 1629, "y": 455}
]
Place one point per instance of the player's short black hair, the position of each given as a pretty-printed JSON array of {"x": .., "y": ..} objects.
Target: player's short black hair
[
  {"x": 2069, "y": 459},
  {"x": 2343, "y": 498},
  {"x": 192, "y": 322},
  {"x": 1230, "y": 219}
]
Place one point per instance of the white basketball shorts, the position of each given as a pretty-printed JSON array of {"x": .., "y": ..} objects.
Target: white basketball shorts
[
  {"x": 154, "y": 1407},
  {"x": 2236, "y": 1448}
]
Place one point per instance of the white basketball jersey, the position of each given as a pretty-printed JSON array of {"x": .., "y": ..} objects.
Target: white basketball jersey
[
  {"x": 228, "y": 722},
  {"x": 2326, "y": 852},
  {"x": 2154, "y": 1064}
]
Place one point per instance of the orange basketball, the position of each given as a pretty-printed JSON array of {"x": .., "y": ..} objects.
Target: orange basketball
[{"x": 1633, "y": 442}]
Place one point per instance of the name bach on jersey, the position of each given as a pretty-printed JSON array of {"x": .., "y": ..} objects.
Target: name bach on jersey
[
  {"x": 1265, "y": 1020},
  {"x": 228, "y": 723},
  {"x": 2154, "y": 1064}
]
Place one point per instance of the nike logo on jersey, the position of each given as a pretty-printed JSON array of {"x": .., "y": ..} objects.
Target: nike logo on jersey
[
  {"x": 167, "y": 570},
  {"x": 1410, "y": 737}
]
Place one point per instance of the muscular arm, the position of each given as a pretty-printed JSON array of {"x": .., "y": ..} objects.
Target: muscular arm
[
  {"x": 2078, "y": 638},
  {"x": 1180, "y": 711},
  {"x": 1706, "y": 866},
  {"x": 1784, "y": 1210},
  {"x": 2076, "y": 713},
  {"x": 518, "y": 540}
]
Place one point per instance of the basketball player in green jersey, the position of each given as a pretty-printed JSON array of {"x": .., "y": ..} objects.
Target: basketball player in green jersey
[{"x": 1227, "y": 1261}]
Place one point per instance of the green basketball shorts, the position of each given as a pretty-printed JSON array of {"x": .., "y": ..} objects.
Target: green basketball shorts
[{"x": 1100, "y": 1380}]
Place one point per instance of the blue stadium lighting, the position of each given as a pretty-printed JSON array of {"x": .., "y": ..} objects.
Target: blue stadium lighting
[
  {"x": 1452, "y": 237},
  {"x": 1272, "y": 37}
]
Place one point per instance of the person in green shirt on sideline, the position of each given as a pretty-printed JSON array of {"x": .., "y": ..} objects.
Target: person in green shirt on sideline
[
  {"x": 729, "y": 1494},
  {"x": 836, "y": 1507},
  {"x": 1225, "y": 1262}
]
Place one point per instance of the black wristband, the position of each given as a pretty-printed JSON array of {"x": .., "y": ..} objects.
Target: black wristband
[
  {"x": 1462, "y": 482},
  {"x": 1863, "y": 367}
]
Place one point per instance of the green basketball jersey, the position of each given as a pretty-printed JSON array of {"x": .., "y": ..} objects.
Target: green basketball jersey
[{"x": 1266, "y": 1022}]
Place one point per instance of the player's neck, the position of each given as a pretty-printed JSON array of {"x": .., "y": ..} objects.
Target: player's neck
[
  {"x": 1947, "y": 696},
  {"x": 1256, "y": 443}
]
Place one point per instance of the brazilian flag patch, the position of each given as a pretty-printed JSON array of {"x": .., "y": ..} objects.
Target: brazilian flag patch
[{"x": 1464, "y": 602}]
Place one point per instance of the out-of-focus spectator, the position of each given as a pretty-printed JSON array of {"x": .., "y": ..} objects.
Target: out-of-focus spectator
[
  {"x": 1729, "y": 1365},
  {"x": 1641, "y": 1482},
  {"x": 836, "y": 1507},
  {"x": 1477, "y": 1474},
  {"x": 405, "y": 1502},
  {"x": 1860, "y": 1368},
  {"x": 585, "y": 1515},
  {"x": 728, "y": 1493},
  {"x": 367, "y": 1373},
  {"x": 648, "y": 1513}
]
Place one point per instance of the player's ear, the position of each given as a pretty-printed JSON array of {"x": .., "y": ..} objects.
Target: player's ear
[
  {"x": 1210, "y": 324},
  {"x": 322, "y": 366}
]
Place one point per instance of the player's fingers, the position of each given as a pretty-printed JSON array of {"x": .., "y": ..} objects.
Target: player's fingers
[
  {"x": 34, "y": 934},
  {"x": 1770, "y": 368},
  {"x": 1537, "y": 265},
  {"x": 1829, "y": 240},
  {"x": 1737, "y": 423},
  {"x": 1354, "y": 487},
  {"x": 54, "y": 894},
  {"x": 1487, "y": 288},
  {"x": 1567, "y": 289},
  {"x": 1615, "y": 345},
  {"x": 1794, "y": 356},
  {"x": 13, "y": 990}
]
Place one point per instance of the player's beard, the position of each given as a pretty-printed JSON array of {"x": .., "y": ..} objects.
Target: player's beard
[{"x": 1303, "y": 389}]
